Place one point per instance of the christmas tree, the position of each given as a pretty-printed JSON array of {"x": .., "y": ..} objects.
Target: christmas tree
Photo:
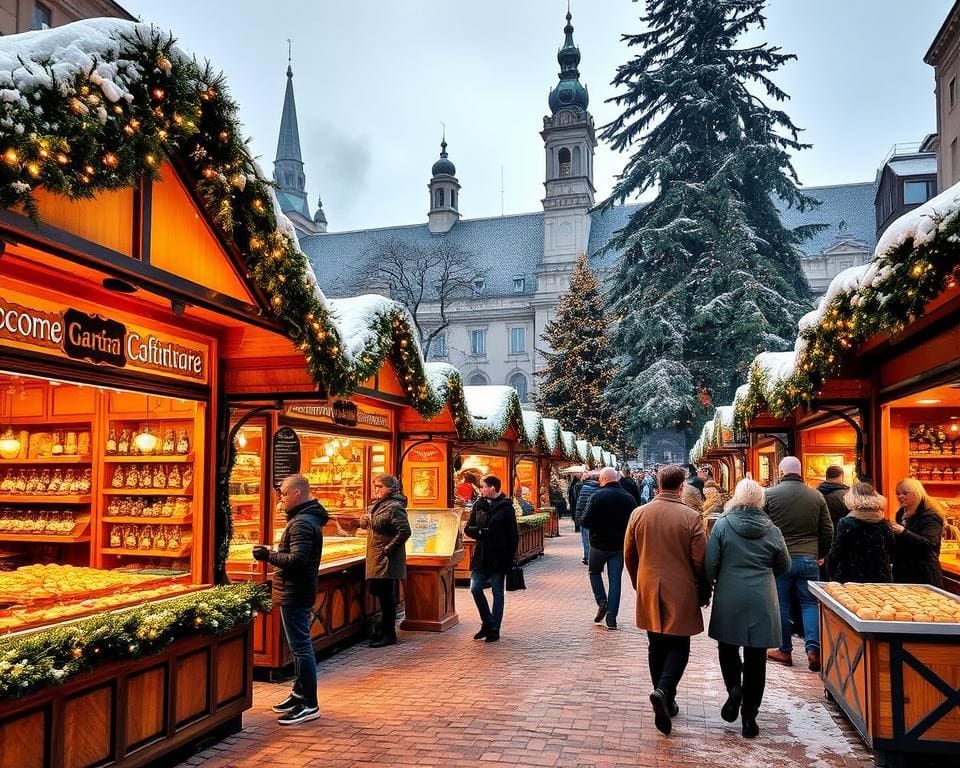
[
  {"x": 579, "y": 365},
  {"x": 709, "y": 275}
]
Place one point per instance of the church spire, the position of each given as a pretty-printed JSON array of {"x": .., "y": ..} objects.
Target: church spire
[
  {"x": 288, "y": 165},
  {"x": 569, "y": 92}
]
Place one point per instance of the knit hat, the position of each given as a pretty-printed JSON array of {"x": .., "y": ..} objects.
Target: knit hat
[{"x": 790, "y": 465}]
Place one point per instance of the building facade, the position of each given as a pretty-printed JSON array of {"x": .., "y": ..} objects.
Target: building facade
[
  {"x": 944, "y": 56},
  {"x": 524, "y": 261},
  {"x": 18, "y": 16}
]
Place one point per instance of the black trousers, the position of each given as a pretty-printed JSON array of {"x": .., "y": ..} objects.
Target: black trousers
[
  {"x": 750, "y": 674},
  {"x": 385, "y": 592},
  {"x": 668, "y": 656}
]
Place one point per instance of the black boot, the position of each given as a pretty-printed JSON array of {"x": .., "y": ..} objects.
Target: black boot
[
  {"x": 750, "y": 729},
  {"x": 731, "y": 707},
  {"x": 484, "y": 631}
]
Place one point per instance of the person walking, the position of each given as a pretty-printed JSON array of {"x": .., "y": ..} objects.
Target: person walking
[
  {"x": 573, "y": 490},
  {"x": 863, "y": 544},
  {"x": 745, "y": 552},
  {"x": 801, "y": 514},
  {"x": 606, "y": 517},
  {"x": 834, "y": 491},
  {"x": 493, "y": 524},
  {"x": 388, "y": 531},
  {"x": 694, "y": 479},
  {"x": 589, "y": 487},
  {"x": 297, "y": 559},
  {"x": 663, "y": 551},
  {"x": 918, "y": 532},
  {"x": 628, "y": 484}
]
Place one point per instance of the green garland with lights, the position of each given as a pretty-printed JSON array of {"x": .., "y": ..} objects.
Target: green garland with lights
[
  {"x": 912, "y": 276},
  {"x": 53, "y": 656},
  {"x": 533, "y": 521}
]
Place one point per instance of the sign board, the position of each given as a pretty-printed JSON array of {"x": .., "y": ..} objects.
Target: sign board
[
  {"x": 343, "y": 413},
  {"x": 31, "y": 323},
  {"x": 286, "y": 455}
]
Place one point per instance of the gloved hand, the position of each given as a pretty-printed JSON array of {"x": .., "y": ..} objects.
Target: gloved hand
[{"x": 260, "y": 552}]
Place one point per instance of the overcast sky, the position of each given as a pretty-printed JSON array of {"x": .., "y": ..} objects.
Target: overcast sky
[{"x": 374, "y": 79}]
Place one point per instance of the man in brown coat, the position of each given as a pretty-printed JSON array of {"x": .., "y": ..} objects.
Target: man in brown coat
[{"x": 663, "y": 552}]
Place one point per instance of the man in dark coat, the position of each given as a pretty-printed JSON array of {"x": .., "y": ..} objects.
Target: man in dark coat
[
  {"x": 590, "y": 486},
  {"x": 694, "y": 479},
  {"x": 606, "y": 517},
  {"x": 493, "y": 524},
  {"x": 833, "y": 491},
  {"x": 297, "y": 559},
  {"x": 628, "y": 484},
  {"x": 801, "y": 514}
]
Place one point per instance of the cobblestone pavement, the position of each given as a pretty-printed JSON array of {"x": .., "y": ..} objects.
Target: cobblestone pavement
[{"x": 555, "y": 691}]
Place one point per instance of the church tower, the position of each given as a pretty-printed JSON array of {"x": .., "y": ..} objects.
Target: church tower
[
  {"x": 569, "y": 143},
  {"x": 444, "y": 193},
  {"x": 288, "y": 169}
]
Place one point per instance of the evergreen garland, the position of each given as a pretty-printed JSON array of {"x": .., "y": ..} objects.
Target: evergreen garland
[
  {"x": 709, "y": 276},
  {"x": 579, "y": 363},
  {"x": 53, "y": 656}
]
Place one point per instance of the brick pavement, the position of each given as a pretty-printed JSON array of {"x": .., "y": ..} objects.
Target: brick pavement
[{"x": 555, "y": 691}]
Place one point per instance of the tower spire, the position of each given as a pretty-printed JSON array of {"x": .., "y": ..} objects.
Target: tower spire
[{"x": 569, "y": 92}]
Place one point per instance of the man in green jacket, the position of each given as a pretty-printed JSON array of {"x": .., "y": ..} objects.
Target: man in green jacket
[{"x": 802, "y": 515}]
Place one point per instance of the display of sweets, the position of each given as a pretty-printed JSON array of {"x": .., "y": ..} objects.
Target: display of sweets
[
  {"x": 146, "y": 537},
  {"x": 123, "y": 444},
  {"x": 169, "y": 443},
  {"x": 149, "y": 507},
  {"x": 895, "y": 602},
  {"x": 183, "y": 443},
  {"x": 111, "y": 447},
  {"x": 173, "y": 478},
  {"x": 33, "y": 482},
  {"x": 34, "y": 522}
]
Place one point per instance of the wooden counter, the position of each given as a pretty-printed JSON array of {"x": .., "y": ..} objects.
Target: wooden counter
[
  {"x": 898, "y": 682},
  {"x": 429, "y": 592},
  {"x": 133, "y": 713}
]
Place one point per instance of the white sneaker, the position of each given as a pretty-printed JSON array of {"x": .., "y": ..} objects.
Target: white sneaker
[{"x": 301, "y": 714}]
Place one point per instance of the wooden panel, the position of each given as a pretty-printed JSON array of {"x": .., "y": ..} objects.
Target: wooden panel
[
  {"x": 88, "y": 727},
  {"x": 191, "y": 686},
  {"x": 27, "y": 403},
  {"x": 231, "y": 658},
  {"x": 107, "y": 219},
  {"x": 923, "y": 693},
  {"x": 338, "y": 610},
  {"x": 22, "y": 740},
  {"x": 388, "y": 383},
  {"x": 845, "y": 668},
  {"x": 72, "y": 401},
  {"x": 182, "y": 243},
  {"x": 146, "y": 705}
]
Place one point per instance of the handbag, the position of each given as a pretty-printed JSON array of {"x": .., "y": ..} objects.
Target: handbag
[{"x": 515, "y": 579}]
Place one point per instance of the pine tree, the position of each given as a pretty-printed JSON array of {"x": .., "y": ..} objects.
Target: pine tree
[
  {"x": 709, "y": 275},
  {"x": 579, "y": 365}
]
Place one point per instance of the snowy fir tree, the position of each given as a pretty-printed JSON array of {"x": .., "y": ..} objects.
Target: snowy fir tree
[
  {"x": 579, "y": 365},
  {"x": 709, "y": 275}
]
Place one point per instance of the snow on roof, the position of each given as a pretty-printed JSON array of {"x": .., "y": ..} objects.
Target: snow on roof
[
  {"x": 583, "y": 450},
  {"x": 742, "y": 393},
  {"x": 846, "y": 282},
  {"x": 723, "y": 417},
  {"x": 488, "y": 404},
  {"x": 776, "y": 367},
  {"x": 551, "y": 428},
  {"x": 597, "y": 452},
  {"x": 570, "y": 446},
  {"x": 357, "y": 319},
  {"x": 922, "y": 222},
  {"x": 533, "y": 424}
]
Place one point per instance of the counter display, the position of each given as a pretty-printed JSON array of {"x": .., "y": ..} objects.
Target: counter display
[
  {"x": 895, "y": 679},
  {"x": 433, "y": 551}
]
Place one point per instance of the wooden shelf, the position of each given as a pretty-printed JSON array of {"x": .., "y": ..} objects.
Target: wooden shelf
[
  {"x": 182, "y": 520},
  {"x": 244, "y": 498},
  {"x": 147, "y": 492},
  {"x": 937, "y": 456},
  {"x": 48, "y": 460},
  {"x": 173, "y": 553},
  {"x": 44, "y": 538},
  {"x": 150, "y": 459},
  {"x": 36, "y": 498},
  {"x": 246, "y": 522},
  {"x": 322, "y": 486},
  {"x": 931, "y": 481}
]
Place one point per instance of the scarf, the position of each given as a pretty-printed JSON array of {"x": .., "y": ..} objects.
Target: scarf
[{"x": 867, "y": 514}]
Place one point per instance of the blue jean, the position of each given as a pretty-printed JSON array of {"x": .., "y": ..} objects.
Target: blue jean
[
  {"x": 585, "y": 538},
  {"x": 794, "y": 582},
  {"x": 478, "y": 581},
  {"x": 614, "y": 562},
  {"x": 296, "y": 626}
]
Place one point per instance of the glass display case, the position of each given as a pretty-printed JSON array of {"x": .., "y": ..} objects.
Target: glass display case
[
  {"x": 433, "y": 532},
  {"x": 247, "y": 486}
]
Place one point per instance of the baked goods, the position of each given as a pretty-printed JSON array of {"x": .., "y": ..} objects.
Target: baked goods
[{"x": 895, "y": 602}]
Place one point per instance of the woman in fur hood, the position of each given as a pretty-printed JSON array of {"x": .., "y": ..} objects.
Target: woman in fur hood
[{"x": 863, "y": 545}]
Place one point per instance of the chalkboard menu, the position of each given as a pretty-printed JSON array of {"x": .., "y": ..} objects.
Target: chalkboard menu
[{"x": 286, "y": 455}]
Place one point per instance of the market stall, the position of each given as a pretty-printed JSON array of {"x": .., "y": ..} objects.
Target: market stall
[{"x": 891, "y": 661}]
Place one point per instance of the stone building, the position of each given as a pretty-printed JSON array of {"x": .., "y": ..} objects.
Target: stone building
[{"x": 25, "y": 15}]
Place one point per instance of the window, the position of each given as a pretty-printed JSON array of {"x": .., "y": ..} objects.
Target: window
[
  {"x": 478, "y": 342},
  {"x": 564, "y": 158},
  {"x": 438, "y": 199},
  {"x": 952, "y": 91},
  {"x": 479, "y": 284},
  {"x": 453, "y": 198},
  {"x": 915, "y": 192},
  {"x": 518, "y": 341},
  {"x": 41, "y": 17},
  {"x": 438, "y": 347},
  {"x": 519, "y": 284},
  {"x": 519, "y": 382},
  {"x": 477, "y": 380}
]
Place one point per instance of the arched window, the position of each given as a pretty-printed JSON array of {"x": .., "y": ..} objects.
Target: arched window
[
  {"x": 577, "y": 168},
  {"x": 564, "y": 158},
  {"x": 477, "y": 380},
  {"x": 438, "y": 199},
  {"x": 519, "y": 382}
]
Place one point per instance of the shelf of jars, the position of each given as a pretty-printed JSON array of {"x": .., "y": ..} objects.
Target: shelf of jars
[
  {"x": 148, "y": 540},
  {"x": 132, "y": 440},
  {"x": 149, "y": 459},
  {"x": 44, "y": 526}
]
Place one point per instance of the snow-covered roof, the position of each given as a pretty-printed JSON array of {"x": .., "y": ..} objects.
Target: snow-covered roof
[
  {"x": 597, "y": 454},
  {"x": 551, "y": 430}
]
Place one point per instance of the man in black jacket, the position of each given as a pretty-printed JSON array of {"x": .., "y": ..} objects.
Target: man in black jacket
[
  {"x": 493, "y": 524},
  {"x": 833, "y": 491},
  {"x": 606, "y": 517},
  {"x": 297, "y": 559},
  {"x": 628, "y": 484},
  {"x": 590, "y": 486}
]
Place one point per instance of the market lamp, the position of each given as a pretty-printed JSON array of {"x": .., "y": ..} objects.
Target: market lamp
[
  {"x": 9, "y": 444},
  {"x": 145, "y": 440}
]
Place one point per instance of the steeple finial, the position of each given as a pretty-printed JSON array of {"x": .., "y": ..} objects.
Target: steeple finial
[
  {"x": 569, "y": 92},
  {"x": 289, "y": 58}
]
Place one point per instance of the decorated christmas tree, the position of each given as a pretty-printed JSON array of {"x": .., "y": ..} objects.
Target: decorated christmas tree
[
  {"x": 709, "y": 275},
  {"x": 579, "y": 364}
]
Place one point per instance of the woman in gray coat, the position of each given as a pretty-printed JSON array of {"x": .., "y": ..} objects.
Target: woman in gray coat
[
  {"x": 389, "y": 530},
  {"x": 745, "y": 553}
]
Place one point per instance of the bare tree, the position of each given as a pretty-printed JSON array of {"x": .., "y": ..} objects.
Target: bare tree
[{"x": 426, "y": 279}]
